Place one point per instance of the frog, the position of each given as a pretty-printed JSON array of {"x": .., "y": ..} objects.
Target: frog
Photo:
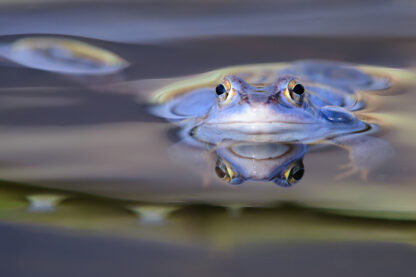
[{"x": 311, "y": 103}]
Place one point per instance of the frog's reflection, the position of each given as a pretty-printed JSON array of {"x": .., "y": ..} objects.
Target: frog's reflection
[
  {"x": 236, "y": 162},
  {"x": 242, "y": 161}
]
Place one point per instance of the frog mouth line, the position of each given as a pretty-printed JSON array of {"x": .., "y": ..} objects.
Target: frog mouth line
[
  {"x": 260, "y": 123},
  {"x": 249, "y": 133}
]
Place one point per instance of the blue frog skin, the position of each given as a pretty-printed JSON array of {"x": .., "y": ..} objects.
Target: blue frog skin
[{"x": 280, "y": 163}]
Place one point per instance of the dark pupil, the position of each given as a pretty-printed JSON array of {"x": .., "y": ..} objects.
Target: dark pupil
[
  {"x": 298, "y": 89},
  {"x": 220, "y": 172},
  {"x": 220, "y": 89},
  {"x": 297, "y": 173}
]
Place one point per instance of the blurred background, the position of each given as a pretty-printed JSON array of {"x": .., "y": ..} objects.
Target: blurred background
[{"x": 89, "y": 186}]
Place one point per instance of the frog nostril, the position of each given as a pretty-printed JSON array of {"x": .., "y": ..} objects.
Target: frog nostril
[{"x": 273, "y": 99}]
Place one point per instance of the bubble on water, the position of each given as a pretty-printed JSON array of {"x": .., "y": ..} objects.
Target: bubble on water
[
  {"x": 42, "y": 203},
  {"x": 65, "y": 56},
  {"x": 153, "y": 214}
]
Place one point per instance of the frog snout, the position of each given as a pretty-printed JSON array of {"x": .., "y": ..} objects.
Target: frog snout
[{"x": 257, "y": 98}]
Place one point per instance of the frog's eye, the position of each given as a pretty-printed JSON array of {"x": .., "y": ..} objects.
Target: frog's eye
[
  {"x": 224, "y": 92},
  {"x": 295, "y": 92},
  {"x": 220, "y": 89},
  {"x": 294, "y": 172},
  {"x": 226, "y": 173},
  {"x": 298, "y": 89}
]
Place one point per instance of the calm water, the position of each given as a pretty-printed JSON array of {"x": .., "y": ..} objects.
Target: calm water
[{"x": 84, "y": 163}]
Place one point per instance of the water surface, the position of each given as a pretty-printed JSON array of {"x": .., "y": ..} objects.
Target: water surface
[{"x": 83, "y": 161}]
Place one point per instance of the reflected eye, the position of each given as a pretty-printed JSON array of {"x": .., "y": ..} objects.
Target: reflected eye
[
  {"x": 224, "y": 92},
  {"x": 226, "y": 173},
  {"x": 295, "y": 92},
  {"x": 294, "y": 172},
  {"x": 223, "y": 171}
]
